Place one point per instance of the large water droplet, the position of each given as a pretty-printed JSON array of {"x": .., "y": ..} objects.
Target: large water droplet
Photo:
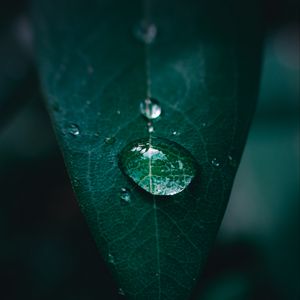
[
  {"x": 125, "y": 195},
  {"x": 73, "y": 129},
  {"x": 161, "y": 167},
  {"x": 145, "y": 32},
  {"x": 150, "y": 108}
]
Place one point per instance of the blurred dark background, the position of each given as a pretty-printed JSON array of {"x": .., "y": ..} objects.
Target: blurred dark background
[{"x": 46, "y": 251}]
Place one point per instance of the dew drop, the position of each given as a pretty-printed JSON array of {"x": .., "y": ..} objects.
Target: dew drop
[
  {"x": 161, "y": 167},
  {"x": 175, "y": 132},
  {"x": 203, "y": 124},
  {"x": 110, "y": 140},
  {"x": 215, "y": 162},
  {"x": 121, "y": 292},
  {"x": 150, "y": 108},
  {"x": 145, "y": 32},
  {"x": 73, "y": 130},
  {"x": 232, "y": 161},
  {"x": 111, "y": 259},
  {"x": 150, "y": 127},
  {"x": 118, "y": 112},
  {"x": 125, "y": 195}
]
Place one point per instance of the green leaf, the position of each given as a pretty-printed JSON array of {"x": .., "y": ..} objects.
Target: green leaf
[{"x": 203, "y": 68}]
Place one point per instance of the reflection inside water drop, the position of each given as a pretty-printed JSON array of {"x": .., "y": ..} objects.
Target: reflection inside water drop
[
  {"x": 160, "y": 167},
  {"x": 150, "y": 108}
]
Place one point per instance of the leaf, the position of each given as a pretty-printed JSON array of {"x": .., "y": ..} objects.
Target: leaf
[{"x": 203, "y": 69}]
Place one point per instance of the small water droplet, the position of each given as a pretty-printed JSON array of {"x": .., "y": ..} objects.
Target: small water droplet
[
  {"x": 161, "y": 168},
  {"x": 125, "y": 195},
  {"x": 203, "y": 124},
  {"x": 145, "y": 32},
  {"x": 175, "y": 133},
  {"x": 232, "y": 161},
  {"x": 150, "y": 108},
  {"x": 121, "y": 292},
  {"x": 215, "y": 162},
  {"x": 110, "y": 140},
  {"x": 110, "y": 259},
  {"x": 118, "y": 112},
  {"x": 73, "y": 130},
  {"x": 150, "y": 127}
]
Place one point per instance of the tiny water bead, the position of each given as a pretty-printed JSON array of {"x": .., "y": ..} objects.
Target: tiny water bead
[
  {"x": 159, "y": 166},
  {"x": 73, "y": 129},
  {"x": 150, "y": 108},
  {"x": 215, "y": 162},
  {"x": 125, "y": 195},
  {"x": 111, "y": 259},
  {"x": 121, "y": 292},
  {"x": 110, "y": 140},
  {"x": 150, "y": 127},
  {"x": 145, "y": 32},
  {"x": 232, "y": 161}
]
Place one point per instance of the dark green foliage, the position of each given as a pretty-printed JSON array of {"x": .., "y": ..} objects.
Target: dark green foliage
[{"x": 203, "y": 68}]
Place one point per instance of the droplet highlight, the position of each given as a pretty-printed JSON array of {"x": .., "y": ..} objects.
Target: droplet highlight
[
  {"x": 121, "y": 292},
  {"x": 150, "y": 108},
  {"x": 145, "y": 32},
  {"x": 111, "y": 259},
  {"x": 110, "y": 140},
  {"x": 73, "y": 130},
  {"x": 232, "y": 161},
  {"x": 125, "y": 195},
  {"x": 159, "y": 166},
  {"x": 215, "y": 162}
]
